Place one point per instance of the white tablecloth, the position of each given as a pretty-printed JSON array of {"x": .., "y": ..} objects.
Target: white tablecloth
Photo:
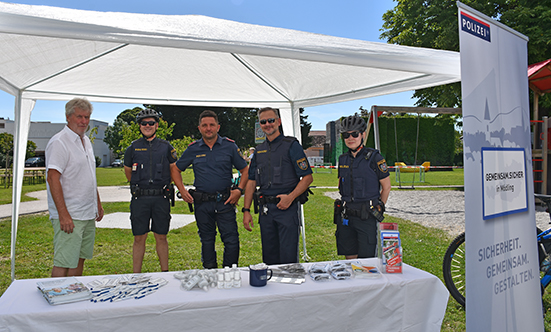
[{"x": 412, "y": 301}]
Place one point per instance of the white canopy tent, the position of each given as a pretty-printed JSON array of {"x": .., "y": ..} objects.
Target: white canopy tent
[{"x": 56, "y": 54}]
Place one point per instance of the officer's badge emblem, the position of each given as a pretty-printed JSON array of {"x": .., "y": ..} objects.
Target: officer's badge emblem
[
  {"x": 382, "y": 166},
  {"x": 174, "y": 154},
  {"x": 302, "y": 164}
]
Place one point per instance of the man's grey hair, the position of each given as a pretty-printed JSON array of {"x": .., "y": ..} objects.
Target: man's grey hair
[
  {"x": 275, "y": 110},
  {"x": 80, "y": 103}
]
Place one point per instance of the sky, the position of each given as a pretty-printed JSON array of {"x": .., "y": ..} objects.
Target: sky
[{"x": 355, "y": 19}]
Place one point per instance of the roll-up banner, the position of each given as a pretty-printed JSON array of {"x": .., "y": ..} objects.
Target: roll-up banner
[{"x": 502, "y": 269}]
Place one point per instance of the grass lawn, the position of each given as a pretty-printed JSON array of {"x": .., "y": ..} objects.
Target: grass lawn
[{"x": 423, "y": 247}]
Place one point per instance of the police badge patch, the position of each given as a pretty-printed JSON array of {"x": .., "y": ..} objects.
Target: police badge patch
[
  {"x": 174, "y": 154},
  {"x": 302, "y": 164},
  {"x": 382, "y": 166}
]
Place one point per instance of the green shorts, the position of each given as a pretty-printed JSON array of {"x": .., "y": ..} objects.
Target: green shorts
[{"x": 69, "y": 248}]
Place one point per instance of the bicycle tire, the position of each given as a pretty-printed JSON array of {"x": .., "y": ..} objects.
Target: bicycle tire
[
  {"x": 453, "y": 266},
  {"x": 453, "y": 269}
]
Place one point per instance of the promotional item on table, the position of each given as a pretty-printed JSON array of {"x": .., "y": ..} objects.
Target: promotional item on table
[
  {"x": 389, "y": 248},
  {"x": 258, "y": 275}
]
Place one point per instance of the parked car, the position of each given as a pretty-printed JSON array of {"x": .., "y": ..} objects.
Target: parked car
[
  {"x": 35, "y": 162},
  {"x": 116, "y": 163}
]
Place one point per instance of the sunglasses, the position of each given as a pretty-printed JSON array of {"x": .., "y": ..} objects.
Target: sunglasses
[
  {"x": 354, "y": 134},
  {"x": 145, "y": 123},
  {"x": 270, "y": 120}
]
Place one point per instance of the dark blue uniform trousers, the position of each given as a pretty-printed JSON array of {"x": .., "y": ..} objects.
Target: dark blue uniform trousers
[
  {"x": 279, "y": 231},
  {"x": 210, "y": 215}
]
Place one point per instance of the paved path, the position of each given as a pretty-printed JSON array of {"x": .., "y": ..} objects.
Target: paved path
[{"x": 107, "y": 194}]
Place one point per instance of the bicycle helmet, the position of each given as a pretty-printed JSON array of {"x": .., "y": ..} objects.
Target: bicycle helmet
[
  {"x": 147, "y": 113},
  {"x": 353, "y": 123}
]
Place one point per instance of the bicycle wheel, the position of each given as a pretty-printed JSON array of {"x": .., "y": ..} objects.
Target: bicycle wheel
[
  {"x": 454, "y": 265},
  {"x": 454, "y": 269}
]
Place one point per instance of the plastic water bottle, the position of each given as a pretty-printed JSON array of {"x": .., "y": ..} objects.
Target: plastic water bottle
[{"x": 228, "y": 282}]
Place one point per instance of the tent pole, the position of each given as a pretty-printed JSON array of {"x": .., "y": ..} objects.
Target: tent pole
[
  {"x": 22, "y": 123},
  {"x": 295, "y": 120},
  {"x": 376, "y": 128}
]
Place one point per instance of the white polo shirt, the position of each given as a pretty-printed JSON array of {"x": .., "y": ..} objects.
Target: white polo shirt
[{"x": 77, "y": 165}]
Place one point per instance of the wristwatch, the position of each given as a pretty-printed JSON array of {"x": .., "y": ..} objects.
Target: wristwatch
[
  {"x": 245, "y": 210},
  {"x": 241, "y": 190}
]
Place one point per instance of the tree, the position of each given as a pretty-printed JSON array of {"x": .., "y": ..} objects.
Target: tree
[
  {"x": 113, "y": 134},
  {"x": 305, "y": 130},
  {"x": 433, "y": 24},
  {"x": 6, "y": 149},
  {"x": 132, "y": 132},
  {"x": 129, "y": 115},
  {"x": 237, "y": 124}
]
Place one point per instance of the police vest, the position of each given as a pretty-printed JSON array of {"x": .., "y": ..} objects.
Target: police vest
[
  {"x": 150, "y": 165},
  {"x": 358, "y": 180},
  {"x": 275, "y": 172}
]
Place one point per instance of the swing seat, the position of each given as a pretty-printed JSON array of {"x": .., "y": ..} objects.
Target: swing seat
[{"x": 412, "y": 169}]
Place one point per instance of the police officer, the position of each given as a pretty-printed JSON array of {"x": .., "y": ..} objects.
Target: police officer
[
  {"x": 279, "y": 166},
  {"x": 213, "y": 158},
  {"x": 364, "y": 185},
  {"x": 147, "y": 164}
]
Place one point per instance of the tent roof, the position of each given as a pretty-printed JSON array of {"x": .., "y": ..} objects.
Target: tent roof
[
  {"x": 56, "y": 53},
  {"x": 539, "y": 76}
]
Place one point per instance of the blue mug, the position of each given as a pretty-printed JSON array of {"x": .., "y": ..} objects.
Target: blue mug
[{"x": 259, "y": 278}]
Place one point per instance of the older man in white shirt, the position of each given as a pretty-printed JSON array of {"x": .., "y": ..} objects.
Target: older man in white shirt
[{"x": 73, "y": 198}]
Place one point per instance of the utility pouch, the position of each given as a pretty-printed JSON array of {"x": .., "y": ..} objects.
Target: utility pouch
[
  {"x": 256, "y": 200},
  {"x": 303, "y": 198},
  {"x": 364, "y": 213},
  {"x": 337, "y": 211},
  {"x": 135, "y": 190},
  {"x": 376, "y": 213},
  {"x": 190, "y": 205},
  {"x": 168, "y": 193}
]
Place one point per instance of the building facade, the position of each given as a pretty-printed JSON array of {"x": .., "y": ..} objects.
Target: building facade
[{"x": 41, "y": 132}]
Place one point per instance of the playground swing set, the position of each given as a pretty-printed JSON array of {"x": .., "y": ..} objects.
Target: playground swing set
[
  {"x": 400, "y": 167},
  {"x": 403, "y": 171}
]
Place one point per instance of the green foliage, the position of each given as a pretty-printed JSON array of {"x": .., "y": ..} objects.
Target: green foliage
[
  {"x": 132, "y": 132},
  {"x": 436, "y": 140},
  {"x": 433, "y": 24},
  {"x": 6, "y": 149},
  {"x": 305, "y": 130},
  {"x": 237, "y": 124},
  {"x": 113, "y": 136},
  {"x": 129, "y": 115},
  {"x": 92, "y": 134},
  {"x": 114, "y": 133},
  {"x": 182, "y": 122},
  {"x": 181, "y": 144}
]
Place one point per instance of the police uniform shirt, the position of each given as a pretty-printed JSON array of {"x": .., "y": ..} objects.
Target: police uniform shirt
[
  {"x": 296, "y": 154},
  {"x": 212, "y": 167},
  {"x": 143, "y": 154},
  {"x": 377, "y": 164}
]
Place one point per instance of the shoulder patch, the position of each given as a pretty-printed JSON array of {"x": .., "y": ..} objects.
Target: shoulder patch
[
  {"x": 382, "y": 166},
  {"x": 303, "y": 164},
  {"x": 174, "y": 154}
]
